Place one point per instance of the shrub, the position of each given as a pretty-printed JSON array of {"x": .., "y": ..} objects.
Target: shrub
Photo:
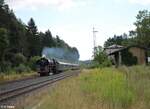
[
  {"x": 22, "y": 68},
  {"x": 5, "y": 67},
  {"x": 32, "y": 62},
  {"x": 128, "y": 59},
  {"x": 19, "y": 59},
  {"x": 101, "y": 59}
]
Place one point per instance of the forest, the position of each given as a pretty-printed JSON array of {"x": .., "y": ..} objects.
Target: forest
[{"x": 22, "y": 44}]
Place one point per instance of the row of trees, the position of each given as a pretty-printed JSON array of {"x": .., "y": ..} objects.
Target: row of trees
[
  {"x": 140, "y": 36},
  {"x": 21, "y": 41}
]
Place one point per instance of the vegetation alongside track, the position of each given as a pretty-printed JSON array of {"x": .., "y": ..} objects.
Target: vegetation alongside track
[
  {"x": 15, "y": 76},
  {"x": 107, "y": 88}
]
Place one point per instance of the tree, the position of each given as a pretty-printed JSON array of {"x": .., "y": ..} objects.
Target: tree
[
  {"x": 143, "y": 28},
  {"x": 32, "y": 28},
  {"x": 48, "y": 39},
  {"x": 58, "y": 41},
  {"x": 3, "y": 43},
  {"x": 3, "y": 47},
  {"x": 6, "y": 8},
  {"x": 101, "y": 58},
  {"x": 1, "y": 3},
  {"x": 33, "y": 39},
  {"x": 119, "y": 40}
]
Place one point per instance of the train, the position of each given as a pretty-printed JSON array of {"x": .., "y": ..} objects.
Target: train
[{"x": 46, "y": 66}]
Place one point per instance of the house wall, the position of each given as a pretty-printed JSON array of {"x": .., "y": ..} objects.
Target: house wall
[{"x": 139, "y": 53}]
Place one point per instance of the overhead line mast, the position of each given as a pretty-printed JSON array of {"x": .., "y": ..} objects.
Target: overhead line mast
[{"x": 94, "y": 40}]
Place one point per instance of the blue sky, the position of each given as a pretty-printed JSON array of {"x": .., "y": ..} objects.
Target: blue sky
[{"x": 73, "y": 20}]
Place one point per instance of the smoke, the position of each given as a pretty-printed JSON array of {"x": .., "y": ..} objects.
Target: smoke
[{"x": 61, "y": 54}]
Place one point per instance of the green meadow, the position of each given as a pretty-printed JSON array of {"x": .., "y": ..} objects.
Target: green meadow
[
  {"x": 106, "y": 88},
  {"x": 109, "y": 86}
]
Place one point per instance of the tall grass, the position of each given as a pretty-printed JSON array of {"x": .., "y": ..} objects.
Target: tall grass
[
  {"x": 107, "y": 88},
  {"x": 139, "y": 79},
  {"x": 66, "y": 95},
  {"x": 110, "y": 86}
]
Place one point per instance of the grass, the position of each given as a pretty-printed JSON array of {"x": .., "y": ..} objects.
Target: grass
[
  {"x": 15, "y": 76},
  {"x": 139, "y": 79},
  {"x": 107, "y": 88},
  {"x": 66, "y": 95},
  {"x": 110, "y": 86}
]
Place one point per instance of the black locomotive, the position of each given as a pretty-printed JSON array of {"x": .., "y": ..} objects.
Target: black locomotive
[{"x": 46, "y": 66}]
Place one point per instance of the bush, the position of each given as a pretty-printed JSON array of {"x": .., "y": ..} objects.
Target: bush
[
  {"x": 128, "y": 59},
  {"x": 32, "y": 62},
  {"x": 5, "y": 67},
  {"x": 19, "y": 59},
  {"x": 101, "y": 59},
  {"x": 22, "y": 68},
  {"x": 106, "y": 63}
]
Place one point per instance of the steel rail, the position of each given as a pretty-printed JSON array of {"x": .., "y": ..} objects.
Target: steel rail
[
  {"x": 28, "y": 84},
  {"x": 30, "y": 87}
]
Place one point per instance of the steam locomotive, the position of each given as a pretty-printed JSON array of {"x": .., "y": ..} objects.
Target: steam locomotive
[{"x": 46, "y": 67}]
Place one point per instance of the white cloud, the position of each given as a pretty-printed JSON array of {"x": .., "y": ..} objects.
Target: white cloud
[
  {"x": 141, "y": 2},
  {"x": 37, "y": 4}
]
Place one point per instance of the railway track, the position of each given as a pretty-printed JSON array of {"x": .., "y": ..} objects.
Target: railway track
[{"x": 22, "y": 87}]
